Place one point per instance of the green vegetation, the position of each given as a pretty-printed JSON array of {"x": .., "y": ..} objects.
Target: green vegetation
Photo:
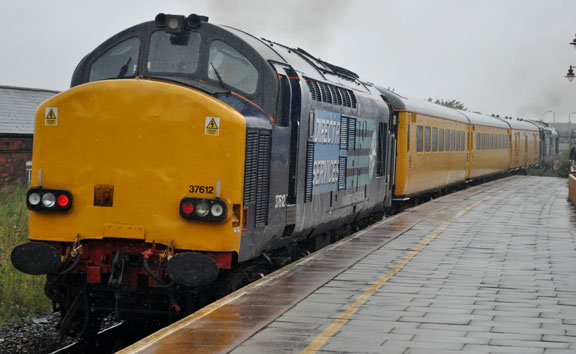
[
  {"x": 20, "y": 294},
  {"x": 563, "y": 168},
  {"x": 449, "y": 103}
]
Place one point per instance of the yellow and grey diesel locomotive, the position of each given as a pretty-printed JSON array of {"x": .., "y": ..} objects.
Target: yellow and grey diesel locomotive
[{"x": 184, "y": 150}]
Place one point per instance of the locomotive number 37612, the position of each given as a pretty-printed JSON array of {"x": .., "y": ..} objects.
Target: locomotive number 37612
[{"x": 201, "y": 189}]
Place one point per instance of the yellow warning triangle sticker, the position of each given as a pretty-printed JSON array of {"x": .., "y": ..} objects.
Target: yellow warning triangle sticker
[
  {"x": 212, "y": 124},
  {"x": 51, "y": 114}
]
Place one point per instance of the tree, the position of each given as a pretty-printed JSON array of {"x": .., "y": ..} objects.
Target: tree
[{"x": 450, "y": 104}]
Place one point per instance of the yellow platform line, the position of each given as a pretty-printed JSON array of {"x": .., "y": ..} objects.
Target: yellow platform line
[{"x": 329, "y": 332}]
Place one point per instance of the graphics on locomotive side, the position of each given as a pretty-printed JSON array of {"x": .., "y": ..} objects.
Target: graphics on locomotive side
[{"x": 344, "y": 151}]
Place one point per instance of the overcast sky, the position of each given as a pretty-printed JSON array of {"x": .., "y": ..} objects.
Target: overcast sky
[{"x": 496, "y": 56}]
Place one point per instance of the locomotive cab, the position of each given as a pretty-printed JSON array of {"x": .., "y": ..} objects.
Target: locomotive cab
[{"x": 185, "y": 50}]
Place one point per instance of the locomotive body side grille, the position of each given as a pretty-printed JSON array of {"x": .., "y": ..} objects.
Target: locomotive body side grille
[
  {"x": 309, "y": 171},
  {"x": 342, "y": 167},
  {"x": 351, "y": 145},
  {"x": 344, "y": 122},
  {"x": 314, "y": 90},
  {"x": 323, "y": 92},
  {"x": 257, "y": 174}
]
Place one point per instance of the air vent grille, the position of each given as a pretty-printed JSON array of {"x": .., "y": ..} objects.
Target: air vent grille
[
  {"x": 331, "y": 94},
  {"x": 257, "y": 174},
  {"x": 309, "y": 171}
]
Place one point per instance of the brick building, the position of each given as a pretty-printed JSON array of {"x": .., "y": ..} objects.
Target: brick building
[{"x": 17, "y": 113}]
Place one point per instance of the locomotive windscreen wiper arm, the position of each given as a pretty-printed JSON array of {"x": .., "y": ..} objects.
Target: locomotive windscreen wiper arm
[
  {"x": 218, "y": 75},
  {"x": 124, "y": 68}
]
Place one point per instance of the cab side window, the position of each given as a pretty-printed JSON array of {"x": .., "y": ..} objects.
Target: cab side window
[{"x": 118, "y": 61}]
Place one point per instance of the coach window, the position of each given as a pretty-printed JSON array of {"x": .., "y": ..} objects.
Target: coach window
[
  {"x": 427, "y": 139},
  {"x": 441, "y": 140},
  {"x": 434, "y": 139},
  {"x": 229, "y": 67},
  {"x": 173, "y": 54},
  {"x": 447, "y": 139},
  {"x": 457, "y": 141},
  {"x": 419, "y": 138},
  {"x": 118, "y": 61},
  {"x": 453, "y": 143}
]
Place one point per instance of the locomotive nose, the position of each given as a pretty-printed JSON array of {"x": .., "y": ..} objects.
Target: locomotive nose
[{"x": 130, "y": 152}]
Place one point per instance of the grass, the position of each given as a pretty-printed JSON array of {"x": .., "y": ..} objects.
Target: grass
[{"x": 20, "y": 294}]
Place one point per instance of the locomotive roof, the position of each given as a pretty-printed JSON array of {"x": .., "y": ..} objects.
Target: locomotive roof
[
  {"x": 544, "y": 126},
  {"x": 482, "y": 119},
  {"x": 416, "y": 105},
  {"x": 302, "y": 61},
  {"x": 519, "y": 124}
]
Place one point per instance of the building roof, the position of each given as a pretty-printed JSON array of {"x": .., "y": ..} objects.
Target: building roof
[{"x": 18, "y": 108}]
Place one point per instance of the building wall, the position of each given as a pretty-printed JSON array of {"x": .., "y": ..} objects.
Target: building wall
[{"x": 15, "y": 151}]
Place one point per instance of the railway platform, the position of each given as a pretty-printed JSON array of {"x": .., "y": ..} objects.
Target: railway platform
[{"x": 489, "y": 269}]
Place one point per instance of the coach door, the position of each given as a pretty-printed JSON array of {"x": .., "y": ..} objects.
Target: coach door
[
  {"x": 285, "y": 149},
  {"x": 516, "y": 153}
]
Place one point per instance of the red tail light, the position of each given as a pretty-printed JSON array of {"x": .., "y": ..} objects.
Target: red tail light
[
  {"x": 187, "y": 208},
  {"x": 63, "y": 200}
]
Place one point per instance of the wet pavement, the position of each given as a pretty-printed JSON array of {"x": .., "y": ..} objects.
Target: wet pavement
[{"x": 491, "y": 269}]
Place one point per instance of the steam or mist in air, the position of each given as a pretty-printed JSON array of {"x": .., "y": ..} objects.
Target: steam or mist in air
[{"x": 503, "y": 57}]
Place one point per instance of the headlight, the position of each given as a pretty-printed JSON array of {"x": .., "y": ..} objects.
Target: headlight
[
  {"x": 34, "y": 198},
  {"x": 48, "y": 200},
  {"x": 217, "y": 210},
  {"x": 202, "y": 209}
]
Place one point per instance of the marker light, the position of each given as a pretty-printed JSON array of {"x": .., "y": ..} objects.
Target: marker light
[
  {"x": 48, "y": 200},
  {"x": 62, "y": 200},
  {"x": 202, "y": 209},
  {"x": 187, "y": 208},
  {"x": 217, "y": 210},
  {"x": 34, "y": 198}
]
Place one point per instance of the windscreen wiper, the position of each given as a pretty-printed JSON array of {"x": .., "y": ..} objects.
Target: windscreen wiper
[
  {"x": 218, "y": 75},
  {"x": 124, "y": 68}
]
